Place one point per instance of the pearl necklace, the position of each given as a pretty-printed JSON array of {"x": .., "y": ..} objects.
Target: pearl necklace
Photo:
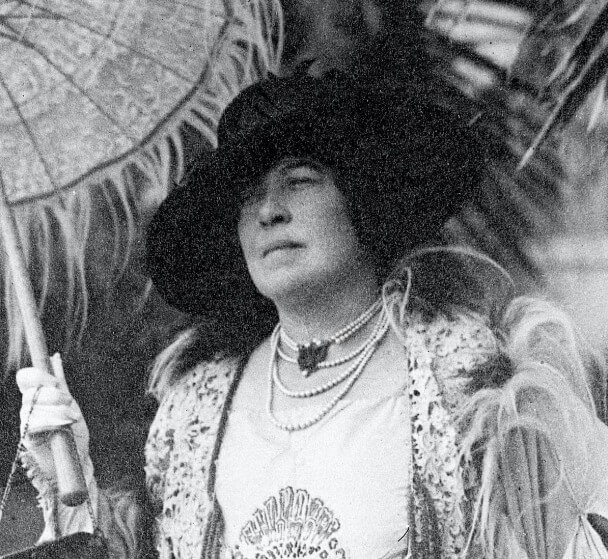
[
  {"x": 354, "y": 374},
  {"x": 340, "y": 378},
  {"x": 311, "y": 356}
]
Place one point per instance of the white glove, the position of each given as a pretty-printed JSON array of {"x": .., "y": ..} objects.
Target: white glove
[{"x": 47, "y": 405}]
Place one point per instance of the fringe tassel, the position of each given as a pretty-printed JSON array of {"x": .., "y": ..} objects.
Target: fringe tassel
[
  {"x": 55, "y": 231},
  {"x": 214, "y": 530},
  {"x": 425, "y": 542}
]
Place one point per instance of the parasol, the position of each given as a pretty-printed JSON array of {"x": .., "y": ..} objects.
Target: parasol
[{"x": 94, "y": 93}]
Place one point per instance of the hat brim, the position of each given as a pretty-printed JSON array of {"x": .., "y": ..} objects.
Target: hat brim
[
  {"x": 194, "y": 256},
  {"x": 193, "y": 253}
]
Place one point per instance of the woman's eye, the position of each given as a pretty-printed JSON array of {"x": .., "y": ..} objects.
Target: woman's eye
[
  {"x": 299, "y": 181},
  {"x": 303, "y": 178}
]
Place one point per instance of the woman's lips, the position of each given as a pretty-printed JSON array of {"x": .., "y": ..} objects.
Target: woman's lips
[{"x": 280, "y": 245}]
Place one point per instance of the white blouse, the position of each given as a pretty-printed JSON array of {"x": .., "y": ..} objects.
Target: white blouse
[{"x": 337, "y": 489}]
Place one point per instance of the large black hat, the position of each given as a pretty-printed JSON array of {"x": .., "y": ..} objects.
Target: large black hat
[{"x": 404, "y": 164}]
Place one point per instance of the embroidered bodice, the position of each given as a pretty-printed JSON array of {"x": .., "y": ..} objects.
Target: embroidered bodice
[
  {"x": 339, "y": 488},
  {"x": 183, "y": 436}
]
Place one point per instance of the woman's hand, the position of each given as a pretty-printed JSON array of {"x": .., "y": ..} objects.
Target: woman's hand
[{"x": 47, "y": 405}]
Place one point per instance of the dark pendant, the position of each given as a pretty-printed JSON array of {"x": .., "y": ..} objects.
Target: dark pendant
[{"x": 310, "y": 355}]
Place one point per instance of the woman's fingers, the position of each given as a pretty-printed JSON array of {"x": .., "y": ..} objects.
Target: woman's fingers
[
  {"x": 32, "y": 377},
  {"x": 48, "y": 395},
  {"x": 52, "y": 408},
  {"x": 29, "y": 377},
  {"x": 49, "y": 418}
]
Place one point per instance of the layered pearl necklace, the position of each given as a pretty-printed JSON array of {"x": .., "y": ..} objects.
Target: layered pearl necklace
[
  {"x": 361, "y": 357},
  {"x": 311, "y": 356}
]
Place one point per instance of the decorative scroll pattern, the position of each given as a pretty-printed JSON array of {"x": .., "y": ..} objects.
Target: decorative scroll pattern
[
  {"x": 178, "y": 457},
  {"x": 292, "y": 524}
]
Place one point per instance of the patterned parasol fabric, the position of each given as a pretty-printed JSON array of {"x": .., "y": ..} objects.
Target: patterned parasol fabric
[
  {"x": 87, "y": 84},
  {"x": 94, "y": 92}
]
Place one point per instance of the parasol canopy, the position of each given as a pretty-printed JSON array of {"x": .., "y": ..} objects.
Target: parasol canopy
[
  {"x": 96, "y": 93},
  {"x": 87, "y": 84}
]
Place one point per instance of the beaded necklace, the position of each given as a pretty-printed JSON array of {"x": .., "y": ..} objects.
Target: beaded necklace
[
  {"x": 311, "y": 356},
  {"x": 350, "y": 376}
]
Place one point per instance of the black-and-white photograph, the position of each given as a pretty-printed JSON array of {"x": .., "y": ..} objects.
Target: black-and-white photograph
[{"x": 304, "y": 278}]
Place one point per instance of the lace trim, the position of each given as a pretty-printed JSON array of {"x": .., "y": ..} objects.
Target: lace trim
[
  {"x": 439, "y": 353},
  {"x": 46, "y": 495},
  {"x": 435, "y": 450},
  {"x": 178, "y": 457}
]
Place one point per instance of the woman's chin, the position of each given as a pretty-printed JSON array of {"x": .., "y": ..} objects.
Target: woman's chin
[
  {"x": 284, "y": 285},
  {"x": 282, "y": 257},
  {"x": 282, "y": 289}
]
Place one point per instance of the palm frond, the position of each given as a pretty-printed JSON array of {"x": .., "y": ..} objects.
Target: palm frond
[
  {"x": 575, "y": 53},
  {"x": 474, "y": 48}
]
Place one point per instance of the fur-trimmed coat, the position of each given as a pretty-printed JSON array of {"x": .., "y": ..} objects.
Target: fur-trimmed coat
[
  {"x": 472, "y": 473},
  {"x": 509, "y": 456}
]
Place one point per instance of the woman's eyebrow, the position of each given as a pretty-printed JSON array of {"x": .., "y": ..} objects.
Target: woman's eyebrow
[{"x": 291, "y": 164}]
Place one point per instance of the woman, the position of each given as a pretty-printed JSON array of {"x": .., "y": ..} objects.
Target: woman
[{"x": 338, "y": 402}]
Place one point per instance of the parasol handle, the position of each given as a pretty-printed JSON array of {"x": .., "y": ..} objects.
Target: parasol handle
[{"x": 70, "y": 480}]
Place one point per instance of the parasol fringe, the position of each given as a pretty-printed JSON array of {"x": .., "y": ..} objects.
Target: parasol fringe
[{"x": 59, "y": 234}]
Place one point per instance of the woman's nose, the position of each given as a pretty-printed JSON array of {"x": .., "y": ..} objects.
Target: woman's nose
[{"x": 273, "y": 209}]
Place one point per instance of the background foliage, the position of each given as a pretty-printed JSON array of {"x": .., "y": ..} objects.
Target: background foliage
[{"x": 525, "y": 68}]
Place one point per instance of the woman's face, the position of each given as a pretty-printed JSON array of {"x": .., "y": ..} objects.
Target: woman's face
[{"x": 296, "y": 233}]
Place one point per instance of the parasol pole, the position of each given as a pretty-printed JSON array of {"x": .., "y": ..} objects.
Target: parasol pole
[{"x": 70, "y": 481}]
